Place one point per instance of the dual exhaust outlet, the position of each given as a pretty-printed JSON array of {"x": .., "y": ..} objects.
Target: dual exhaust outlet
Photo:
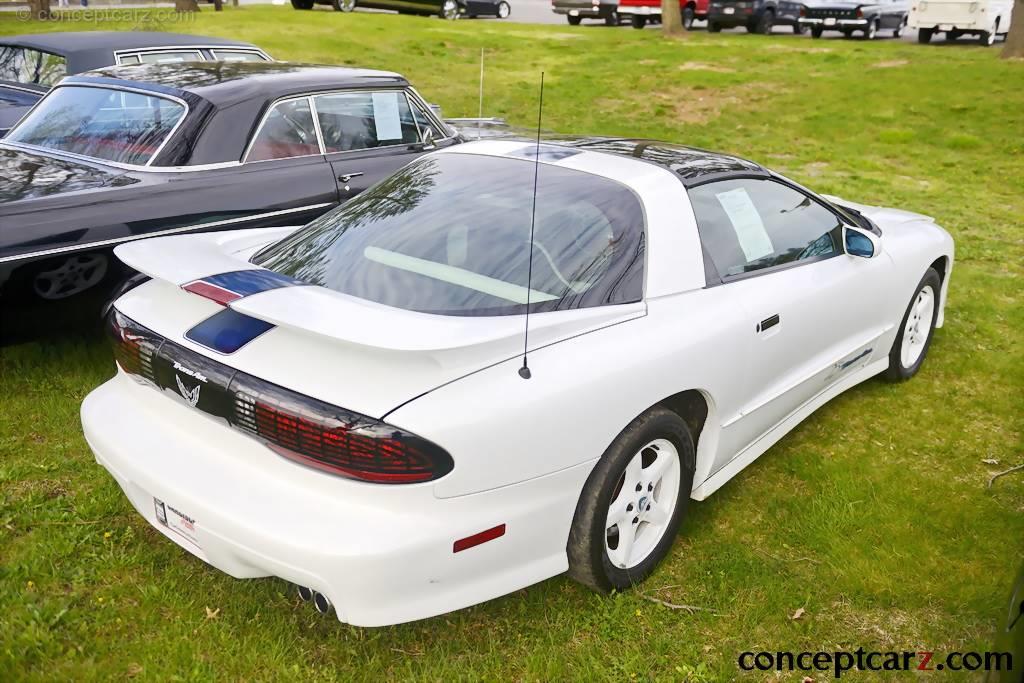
[{"x": 319, "y": 600}]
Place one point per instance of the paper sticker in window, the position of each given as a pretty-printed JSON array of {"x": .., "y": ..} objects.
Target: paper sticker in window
[
  {"x": 747, "y": 223},
  {"x": 385, "y": 116}
]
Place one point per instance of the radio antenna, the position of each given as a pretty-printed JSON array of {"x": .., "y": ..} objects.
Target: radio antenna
[
  {"x": 524, "y": 371},
  {"x": 480, "y": 116}
]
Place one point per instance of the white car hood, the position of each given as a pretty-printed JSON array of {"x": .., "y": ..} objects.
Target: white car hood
[
  {"x": 880, "y": 214},
  {"x": 352, "y": 353}
]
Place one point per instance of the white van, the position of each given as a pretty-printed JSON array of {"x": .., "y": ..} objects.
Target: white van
[{"x": 984, "y": 19}]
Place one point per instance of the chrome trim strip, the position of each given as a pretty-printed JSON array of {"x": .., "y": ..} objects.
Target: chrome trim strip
[
  {"x": 10, "y": 86},
  {"x": 124, "y": 88},
  {"x": 316, "y": 125},
  {"x": 45, "y": 151},
  {"x": 161, "y": 233},
  {"x": 185, "y": 48}
]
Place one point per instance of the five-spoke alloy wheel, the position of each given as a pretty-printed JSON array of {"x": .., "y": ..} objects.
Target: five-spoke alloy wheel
[{"x": 633, "y": 502}]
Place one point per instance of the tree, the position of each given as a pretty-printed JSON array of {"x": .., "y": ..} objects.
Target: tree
[
  {"x": 186, "y": 5},
  {"x": 672, "y": 18},
  {"x": 1015, "y": 40},
  {"x": 218, "y": 5},
  {"x": 40, "y": 9}
]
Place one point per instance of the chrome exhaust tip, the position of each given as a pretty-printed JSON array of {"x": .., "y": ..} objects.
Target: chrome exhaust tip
[
  {"x": 305, "y": 594},
  {"x": 321, "y": 603}
]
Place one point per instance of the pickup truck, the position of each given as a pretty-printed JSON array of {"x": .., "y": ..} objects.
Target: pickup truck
[{"x": 640, "y": 12}]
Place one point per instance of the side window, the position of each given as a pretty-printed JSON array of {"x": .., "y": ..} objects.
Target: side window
[
  {"x": 747, "y": 224},
  {"x": 237, "y": 56},
  {"x": 425, "y": 123},
  {"x": 170, "y": 56},
  {"x": 364, "y": 120},
  {"x": 287, "y": 131}
]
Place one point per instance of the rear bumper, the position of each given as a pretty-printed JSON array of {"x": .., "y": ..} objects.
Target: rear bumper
[
  {"x": 741, "y": 17},
  {"x": 382, "y": 554},
  {"x": 601, "y": 11},
  {"x": 834, "y": 23}
]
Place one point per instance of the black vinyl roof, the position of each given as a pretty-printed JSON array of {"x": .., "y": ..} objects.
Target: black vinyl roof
[
  {"x": 224, "y": 84},
  {"x": 85, "y": 50}
]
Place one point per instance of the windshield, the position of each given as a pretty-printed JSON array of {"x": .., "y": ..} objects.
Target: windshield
[
  {"x": 114, "y": 125},
  {"x": 450, "y": 234},
  {"x": 25, "y": 65}
]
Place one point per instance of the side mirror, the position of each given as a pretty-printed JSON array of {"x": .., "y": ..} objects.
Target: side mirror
[
  {"x": 861, "y": 243},
  {"x": 428, "y": 139}
]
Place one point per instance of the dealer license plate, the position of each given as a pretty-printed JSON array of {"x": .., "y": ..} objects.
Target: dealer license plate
[
  {"x": 574, "y": 13},
  {"x": 177, "y": 521},
  {"x": 831, "y": 21},
  {"x": 730, "y": 10}
]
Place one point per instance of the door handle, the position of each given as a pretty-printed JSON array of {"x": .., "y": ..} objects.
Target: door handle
[
  {"x": 768, "y": 323},
  {"x": 345, "y": 177}
]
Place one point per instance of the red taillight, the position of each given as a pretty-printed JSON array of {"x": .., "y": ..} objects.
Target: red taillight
[
  {"x": 860, "y": 13},
  {"x": 803, "y": 11},
  {"x": 296, "y": 426},
  {"x": 334, "y": 440},
  {"x": 133, "y": 344}
]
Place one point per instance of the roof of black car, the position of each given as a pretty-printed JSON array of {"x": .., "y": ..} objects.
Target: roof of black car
[
  {"x": 93, "y": 49},
  {"x": 226, "y": 83},
  {"x": 691, "y": 164}
]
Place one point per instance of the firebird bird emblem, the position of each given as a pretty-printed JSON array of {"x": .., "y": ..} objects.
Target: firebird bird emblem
[{"x": 190, "y": 395}]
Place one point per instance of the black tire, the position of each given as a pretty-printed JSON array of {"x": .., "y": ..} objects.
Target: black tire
[
  {"x": 573, "y": 21},
  {"x": 612, "y": 19},
  {"x": 588, "y": 556},
  {"x": 871, "y": 32},
  {"x": 799, "y": 29},
  {"x": 765, "y": 23},
  {"x": 816, "y": 31},
  {"x": 302, "y": 4},
  {"x": 637, "y": 21},
  {"x": 504, "y": 10},
  {"x": 847, "y": 33},
  {"x": 343, "y": 5},
  {"x": 689, "y": 16},
  {"x": 714, "y": 27},
  {"x": 924, "y": 35},
  {"x": 898, "y": 31},
  {"x": 987, "y": 38},
  {"x": 897, "y": 371}
]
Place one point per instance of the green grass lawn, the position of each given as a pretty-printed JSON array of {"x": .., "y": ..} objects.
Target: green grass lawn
[{"x": 873, "y": 517}]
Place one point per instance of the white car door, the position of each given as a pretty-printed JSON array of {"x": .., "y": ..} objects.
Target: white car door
[{"x": 813, "y": 312}]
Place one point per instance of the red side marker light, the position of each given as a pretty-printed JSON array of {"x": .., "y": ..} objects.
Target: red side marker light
[
  {"x": 212, "y": 292},
  {"x": 476, "y": 539}
]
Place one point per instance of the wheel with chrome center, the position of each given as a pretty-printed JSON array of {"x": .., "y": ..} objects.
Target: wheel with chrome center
[
  {"x": 344, "y": 5},
  {"x": 918, "y": 324},
  {"x": 633, "y": 502},
  {"x": 504, "y": 10},
  {"x": 450, "y": 10},
  {"x": 69, "y": 277}
]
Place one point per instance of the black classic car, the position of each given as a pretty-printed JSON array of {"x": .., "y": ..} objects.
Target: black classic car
[
  {"x": 446, "y": 9},
  {"x": 31, "y": 64},
  {"x": 757, "y": 16},
  {"x": 576, "y": 11},
  {"x": 125, "y": 153},
  {"x": 849, "y": 17}
]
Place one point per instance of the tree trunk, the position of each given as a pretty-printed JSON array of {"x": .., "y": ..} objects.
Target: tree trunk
[
  {"x": 218, "y": 5},
  {"x": 186, "y": 5},
  {"x": 1015, "y": 40},
  {"x": 40, "y": 9},
  {"x": 671, "y": 18},
  {"x": 234, "y": 3}
]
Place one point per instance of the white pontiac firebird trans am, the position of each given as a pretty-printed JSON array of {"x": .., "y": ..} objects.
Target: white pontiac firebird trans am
[{"x": 342, "y": 405}]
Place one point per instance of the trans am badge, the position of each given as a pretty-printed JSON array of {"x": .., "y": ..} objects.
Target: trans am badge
[{"x": 190, "y": 395}]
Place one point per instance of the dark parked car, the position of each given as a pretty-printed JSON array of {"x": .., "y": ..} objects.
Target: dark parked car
[
  {"x": 446, "y": 9},
  {"x": 576, "y": 11},
  {"x": 757, "y": 16},
  {"x": 847, "y": 17},
  {"x": 30, "y": 64},
  {"x": 124, "y": 153}
]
